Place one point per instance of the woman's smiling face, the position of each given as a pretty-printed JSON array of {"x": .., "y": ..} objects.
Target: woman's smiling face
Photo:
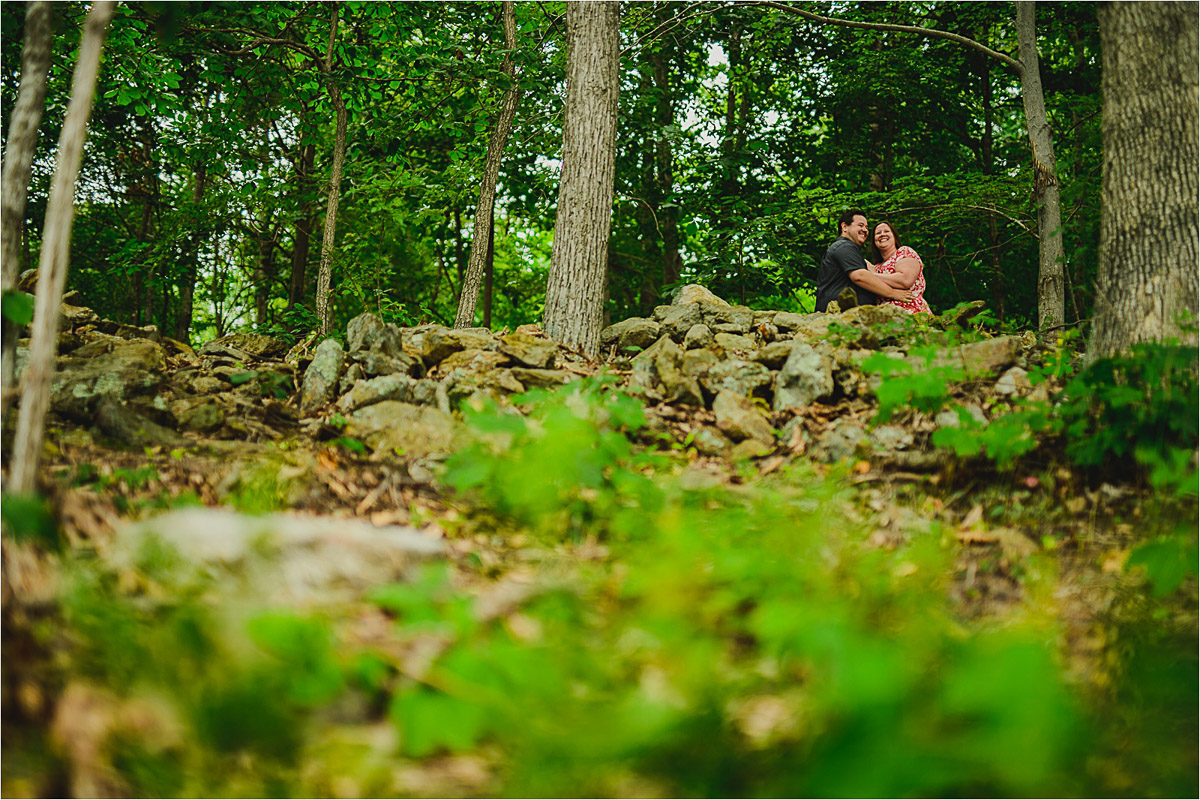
[{"x": 885, "y": 239}]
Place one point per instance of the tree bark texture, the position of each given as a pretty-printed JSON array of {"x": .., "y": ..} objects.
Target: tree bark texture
[
  {"x": 18, "y": 163},
  {"x": 482, "y": 236},
  {"x": 325, "y": 270},
  {"x": 1148, "y": 222},
  {"x": 575, "y": 289},
  {"x": 55, "y": 255},
  {"x": 191, "y": 261},
  {"x": 297, "y": 284},
  {"x": 1051, "y": 303},
  {"x": 668, "y": 217}
]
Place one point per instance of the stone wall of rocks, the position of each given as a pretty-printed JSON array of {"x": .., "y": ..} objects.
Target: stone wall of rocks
[{"x": 742, "y": 374}]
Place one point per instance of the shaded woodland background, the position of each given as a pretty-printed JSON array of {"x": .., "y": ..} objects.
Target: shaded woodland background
[{"x": 742, "y": 135}]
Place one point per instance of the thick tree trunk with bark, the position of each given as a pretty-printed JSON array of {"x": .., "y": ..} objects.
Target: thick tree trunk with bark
[
  {"x": 18, "y": 163},
  {"x": 55, "y": 255},
  {"x": 482, "y": 236},
  {"x": 1051, "y": 303},
  {"x": 575, "y": 289},
  {"x": 1148, "y": 222}
]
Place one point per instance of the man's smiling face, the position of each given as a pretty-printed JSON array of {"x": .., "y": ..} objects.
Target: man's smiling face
[{"x": 857, "y": 230}]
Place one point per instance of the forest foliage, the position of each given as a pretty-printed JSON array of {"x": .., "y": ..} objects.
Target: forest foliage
[{"x": 743, "y": 133}]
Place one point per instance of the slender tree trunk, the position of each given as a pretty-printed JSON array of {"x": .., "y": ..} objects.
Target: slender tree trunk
[
  {"x": 18, "y": 163},
  {"x": 191, "y": 261},
  {"x": 1051, "y": 303},
  {"x": 575, "y": 289},
  {"x": 301, "y": 240},
  {"x": 55, "y": 255},
  {"x": 325, "y": 270},
  {"x": 668, "y": 215},
  {"x": 1146, "y": 290},
  {"x": 469, "y": 295}
]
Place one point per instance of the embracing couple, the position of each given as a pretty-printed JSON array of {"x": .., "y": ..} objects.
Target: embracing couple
[{"x": 895, "y": 277}]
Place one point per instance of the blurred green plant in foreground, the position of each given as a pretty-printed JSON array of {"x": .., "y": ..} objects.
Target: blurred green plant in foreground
[{"x": 736, "y": 640}]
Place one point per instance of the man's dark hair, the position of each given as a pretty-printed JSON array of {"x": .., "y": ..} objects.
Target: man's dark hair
[
  {"x": 871, "y": 239},
  {"x": 848, "y": 217}
]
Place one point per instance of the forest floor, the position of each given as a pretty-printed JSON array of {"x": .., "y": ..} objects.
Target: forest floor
[{"x": 669, "y": 624}]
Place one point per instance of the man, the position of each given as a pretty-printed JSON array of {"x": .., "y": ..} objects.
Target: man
[{"x": 844, "y": 270}]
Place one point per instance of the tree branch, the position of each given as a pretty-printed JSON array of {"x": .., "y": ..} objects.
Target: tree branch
[{"x": 884, "y": 26}]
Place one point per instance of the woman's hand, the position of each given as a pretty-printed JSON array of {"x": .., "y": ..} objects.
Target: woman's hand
[{"x": 903, "y": 296}]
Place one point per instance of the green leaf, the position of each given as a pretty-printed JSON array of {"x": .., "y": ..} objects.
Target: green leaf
[
  {"x": 17, "y": 307},
  {"x": 1167, "y": 561},
  {"x": 430, "y": 721}
]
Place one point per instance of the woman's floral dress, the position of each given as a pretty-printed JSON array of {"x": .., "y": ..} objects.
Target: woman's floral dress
[{"x": 918, "y": 304}]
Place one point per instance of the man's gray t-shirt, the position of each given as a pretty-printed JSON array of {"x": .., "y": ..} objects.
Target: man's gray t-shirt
[{"x": 842, "y": 258}]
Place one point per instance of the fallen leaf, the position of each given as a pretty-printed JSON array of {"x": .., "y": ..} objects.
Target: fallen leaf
[
  {"x": 973, "y": 517},
  {"x": 862, "y": 467}
]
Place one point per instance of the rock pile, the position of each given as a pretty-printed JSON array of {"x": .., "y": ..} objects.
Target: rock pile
[{"x": 726, "y": 376}]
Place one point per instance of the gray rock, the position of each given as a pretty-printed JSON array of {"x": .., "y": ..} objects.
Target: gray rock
[
  {"x": 634, "y": 332},
  {"x": 695, "y": 293},
  {"x": 891, "y": 437},
  {"x": 810, "y": 327},
  {"x": 321, "y": 378},
  {"x": 367, "y": 332},
  {"x": 659, "y": 371},
  {"x": 1013, "y": 381},
  {"x": 677, "y": 320},
  {"x": 495, "y": 384},
  {"x": 739, "y": 417},
  {"x": 402, "y": 428},
  {"x": 787, "y": 321},
  {"x": 948, "y": 418},
  {"x": 961, "y": 315},
  {"x": 255, "y": 345},
  {"x": 473, "y": 360},
  {"x": 750, "y": 448},
  {"x": 987, "y": 357},
  {"x": 807, "y": 376},
  {"x": 710, "y": 441},
  {"x": 425, "y": 392},
  {"x": 839, "y": 441},
  {"x": 699, "y": 335},
  {"x": 529, "y": 350},
  {"x": 376, "y": 390},
  {"x": 734, "y": 343},
  {"x": 198, "y": 414},
  {"x": 735, "y": 375},
  {"x": 127, "y": 369},
  {"x": 274, "y": 559},
  {"x": 432, "y": 343},
  {"x": 124, "y": 423},
  {"x": 696, "y": 363},
  {"x": 206, "y": 384},
  {"x": 543, "y": 378},
  {"x": 726, "y": 318},
  {"x": 764, "y": 317},
  {"x": 773, "y": 355},
  {"x": 353, "y": 374},
  {"x": 375, "y": 364}
]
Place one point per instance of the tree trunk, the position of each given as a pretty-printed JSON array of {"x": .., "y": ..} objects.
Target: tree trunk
[
  {"x": 18, "y": 163},
  {"x": 481, "y": 237},
  {"x": 1051, "y": 305},
  {"x": 575, "y": 289},
  {"x": 54, "y": 260},
  {"x": 668, "y": 216},
  {"x": 489, "y": 273},
  {"x": 1148, "y": 222},
  {"x": 191, "y": 261},
  {"x": 302, "y": 238},
  {"x": 324, "y": 271}
]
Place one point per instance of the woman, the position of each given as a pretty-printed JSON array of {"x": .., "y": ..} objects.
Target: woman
[{"x": 898, "y": 267}]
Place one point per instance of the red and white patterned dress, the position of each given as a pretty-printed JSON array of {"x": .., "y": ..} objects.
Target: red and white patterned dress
[{"x": 918, "y": 304}]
